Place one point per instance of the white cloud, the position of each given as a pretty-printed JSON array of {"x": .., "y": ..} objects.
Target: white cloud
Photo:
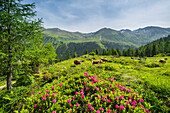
[{"x": 91, "y": 15}]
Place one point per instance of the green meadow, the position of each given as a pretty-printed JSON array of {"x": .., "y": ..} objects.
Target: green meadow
[{"x": 120, "y": 85}]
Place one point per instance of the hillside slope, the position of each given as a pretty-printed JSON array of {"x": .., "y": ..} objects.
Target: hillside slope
[{"x": 101, "y": 39}]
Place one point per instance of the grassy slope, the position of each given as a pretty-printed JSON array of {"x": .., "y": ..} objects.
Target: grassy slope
[{"x": 150, "y": 82}]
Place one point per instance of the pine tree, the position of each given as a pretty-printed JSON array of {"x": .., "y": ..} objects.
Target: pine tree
[
  {"x": 18, "y": 31},
  {"x": 68, "y": 54},
  {"x": 97, "y": 52},
  {"x": 86, "y": 51},
  {"x": 75, "y": 55}
]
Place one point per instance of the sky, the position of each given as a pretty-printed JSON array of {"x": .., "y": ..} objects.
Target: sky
[{"x": 91, "y": 15}]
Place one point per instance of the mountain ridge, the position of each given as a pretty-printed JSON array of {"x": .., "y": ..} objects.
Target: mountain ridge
[{"x": 104, "y": 38}]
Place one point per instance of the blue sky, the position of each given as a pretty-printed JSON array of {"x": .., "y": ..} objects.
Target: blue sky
[{"x": 92, "y": 15}]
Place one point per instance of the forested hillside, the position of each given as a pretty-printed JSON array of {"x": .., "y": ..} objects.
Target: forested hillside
[{"x": 64, "y": 41}]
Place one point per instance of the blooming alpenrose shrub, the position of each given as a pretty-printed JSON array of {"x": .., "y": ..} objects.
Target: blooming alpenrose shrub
[{"x": 87, "y": 93}]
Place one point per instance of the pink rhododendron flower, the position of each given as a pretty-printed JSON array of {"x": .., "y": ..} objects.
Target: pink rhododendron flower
[
  {"x": 147, "y": 110},
  {"x": 74, "y": 98},
  {"x": 71, "y": 105},
  {"x": 121, "y": 96},
  {"x": 104, "y": 99},
  {"x": 92, "y": 82},
  {"x": 117, "y": 98},
  {"x": 77, "y": 105},
  {"x": 127, "y": 103},
  {"x": 47, "y": 95},
  {"x": 98, "y": 111},
  {"x": 81, "y": 93},
  {"x": 136, "y": 93},
  {"x": 88, "y": 105},
  {"x": 54, "y": 112},
  {"x": 108, "y": 100},
  {"x": 122, "y": 107},
  {"x": 81, "y": 90},
  {"x": 110, "y": 85},
  {"x": 95, "y": 88},
  {"x": 82, "y": 96},
  {"x": 116, "y": 106},
  {"x": 92, "y": 108},
  {"x": 70, "y": 111},
  {"x": 47, "y": 91},
  {"x": 52, "y": 88},
  {"x": 39, "y": 92},
  {"x": 98, "y": 97},
  {"x": 43, "y": 98},
  {"x": 35, "y": 105},
  {"x": 134, "y": 106},
  {"x": 68, "y": 101},
  {"x": 84, "y": 83},
  {"x": 109, "y": 111},
  {"x": 141, "y": 106},
  {"x": 101, "y": 109},
  {"x": 141, "y": 100},
  {"x": 88, "y": 94},
  {"x": 76, "y": 93},
  {"x": 100, "y": 91},
  {"x": 87, "y": 88},
  {"x": 88, "y": 109},
  {"x": 54, "y": 94},
  {"x": 54, "y": 100}
]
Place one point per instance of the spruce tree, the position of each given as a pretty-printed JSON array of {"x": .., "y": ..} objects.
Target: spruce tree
[
  {"x": 86, "y": 51},
  {"x": 75, "y": 55},
  {"x": 97, "y": 52},
  {"x": 18, "y": 31}
]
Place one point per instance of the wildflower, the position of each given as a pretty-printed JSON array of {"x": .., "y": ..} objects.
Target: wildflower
[
  {"x": 52, "y": 88},
  {"x": 109, "y": 111},
  {"x": 147, "y": 110},
  {"x": 35, "y": 105},
  {"x": 54, "y": 112},
  {"x": 98, "y": 97},
  {"x": 108, "y": 100},
  {"x": 88, "y": 109},
  {"x": 68, "y": 101},
  {"x": 121, "y": 96},
  {"x": 141, "y": 106},
  {"x": 101, "y": 109},
  {"x": 87, "y": 88},
  {"x": 98, "y": 111},
  {"x": 71, "y": 105},
  {"x": 54, "y": 100},
  {"x": 84, "y": 83},
  {"x": 47, "y": 91},
  {"x": 70, "y": 111},
  {"x": 122, "y": 107},
  {"x": 81, "y": 90},
  {"x": 88, "y": 105},
  {"x": 77, "y": 105},
  {"x": 74, "y": 98},
  {"x": 81, "y": 93},
  {"x": 92, "y": 108},
  {"x": 44, "y": 98},
  {"x": 54, "y": 94},
  {"x": 87, "y": 94},
  {"x": 104, "y": 99},
  {"x": 141, "y": 100},
  {"x": 127, "y": 103},
  {"x": 76, "y": 93},
  {"x": 100, "y": 91},
  {"x": 117, "y": 98},
  {"x": 39, "y": 92},
  {"x": 47, "y": 95},
  {"x": 82, "y": 96},
  {"x": 116, "y": 106}
]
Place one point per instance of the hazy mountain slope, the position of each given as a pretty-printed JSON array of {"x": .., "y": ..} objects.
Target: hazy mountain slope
[{"x": 101, "y": 39}]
